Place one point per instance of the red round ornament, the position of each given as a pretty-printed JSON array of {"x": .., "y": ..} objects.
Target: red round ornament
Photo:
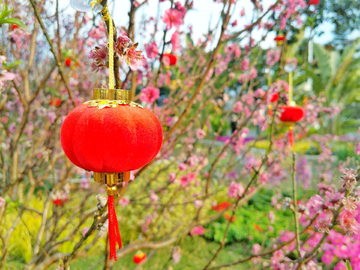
[
  {"x": 68, "y": 62},
  {"x": 291, "y": 114},
  {"x": 172, "y": 58},
  {"x": 279, "y": 39},
  {"x": 274, "y": 97},
  {"x": 139, "y": 257},
  {"x": 111, "y": 137}
]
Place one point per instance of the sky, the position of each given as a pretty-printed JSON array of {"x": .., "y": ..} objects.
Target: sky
[{"x": 204, "y": 11}]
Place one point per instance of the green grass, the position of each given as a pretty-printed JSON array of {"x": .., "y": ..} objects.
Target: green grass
[{"x": 195, "y": 253}]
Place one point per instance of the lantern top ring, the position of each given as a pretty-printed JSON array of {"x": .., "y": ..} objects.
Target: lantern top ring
[{"x": 112, "y": 94}]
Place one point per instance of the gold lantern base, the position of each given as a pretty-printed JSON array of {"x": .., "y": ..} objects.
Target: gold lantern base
[{"x": 111, "y": 180}]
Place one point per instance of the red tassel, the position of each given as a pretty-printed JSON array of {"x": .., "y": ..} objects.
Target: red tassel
[
  {"x": 291, "y": 137},
  {"x": 114, "y": 234},
  {"x": 168, "y": 78}
]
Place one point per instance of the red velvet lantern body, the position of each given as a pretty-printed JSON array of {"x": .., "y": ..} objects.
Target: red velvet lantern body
[
  {"x": 291, "y": 114},
  {"x": 279, "y": 39},
  {"x": 172, "y": 58},
  {"x": 113, "y": 140}
]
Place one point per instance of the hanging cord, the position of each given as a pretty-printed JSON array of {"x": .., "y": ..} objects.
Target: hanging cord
[
  {"x": 114, "y": 234},
  {"x": 111, "y": 55},
  {"x": 95, "y": 4},
  {"x": 291, "y": 103}
]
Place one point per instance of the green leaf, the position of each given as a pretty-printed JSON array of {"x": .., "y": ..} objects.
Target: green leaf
[
  {"x": 5, "y": 12},
  {"x": 14, "y": 21},
  {"x": 348, "y": 266},
  {"x": 14, "y": 64},
  {"x": 323, "y": 62}
]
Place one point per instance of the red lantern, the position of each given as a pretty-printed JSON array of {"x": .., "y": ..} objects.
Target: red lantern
[
  {"x": 279, "y": 39},
  {"x": 170, "y": 58},
  {"x": 314, "y": 2},
  {"x": 111, "y": 136},
  {"x": 55, "y": 102},
  {"x": 68, "y": 62},
  {"x": 139, "y": 257},
  {"x": 274, "y": 98},
  {"x": 291, "y": 115}
]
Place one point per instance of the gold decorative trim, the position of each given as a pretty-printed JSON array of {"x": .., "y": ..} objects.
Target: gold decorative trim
[
  {"x": 111, "y": 179},
  {"x": 101, "y": 104},
  {"x": 112, "y": 94}
]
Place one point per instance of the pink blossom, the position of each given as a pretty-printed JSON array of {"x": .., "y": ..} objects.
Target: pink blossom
[
  {"x": 323, "y": 225},
  {"x": 263, "y": 178},
  {"x": 175, "y": 41},
  {"x": 99, "y": 57},
  {"x": 12, "y": 128},
  {"x": 84, "y": 183},
  {"x": 134, "y": 58},
  {"x": 256, "y": 249},
  {"x": 6, "y": 76},
  {"x": 272, "y": 57},
  {"x": 152, "y": 50},
  {"x": 315, "y": 204},
  {"x": 184, "y": 181},
  {"x": 149, "y": 94},
  {"x": 176, "y": 257},
  {"x": 172, "y": 177},
  {"x": 277, "y": 257},
  {"x": 357, "y": 149},
  {"x": 2, "y": 59},
  {"x": 85, "y": 230},
  {"x": 349, "y": 203},
  {"x": 124, "y": 201},
  {"x": 340, "y": 266},
  {"x": 235, "y": 190},
  {"x": 238, "y": 107},
  {"x": 327, "y": 258},
  {"x": 349, "y": 223},
  {"x": 51, "y": 117},
  {"x": 121, "y": 45},
  {"x": 2, "y": 201},
  {"x": 200, "y": 134},
  {"x": 198, "y": 204},
  {"x": 191, "y": 177},
  {"x": 153, "y": 197},
  {"x": 173, "y": 18},
  {"x": 237, "y": 51},
  {"x": 242, "y": 12},
  {"x": 182, "y": 166},
  {"x": 245, "y": 64},
  {"x": 348, "y": 179},
  {"x": 198, "y": 230},
  {"x": 253, "y": 73},
  {"x": 271, "y": 217}
]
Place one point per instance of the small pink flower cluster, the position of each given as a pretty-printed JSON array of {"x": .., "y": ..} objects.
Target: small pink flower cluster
[{"x": 123, "y": 49}]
